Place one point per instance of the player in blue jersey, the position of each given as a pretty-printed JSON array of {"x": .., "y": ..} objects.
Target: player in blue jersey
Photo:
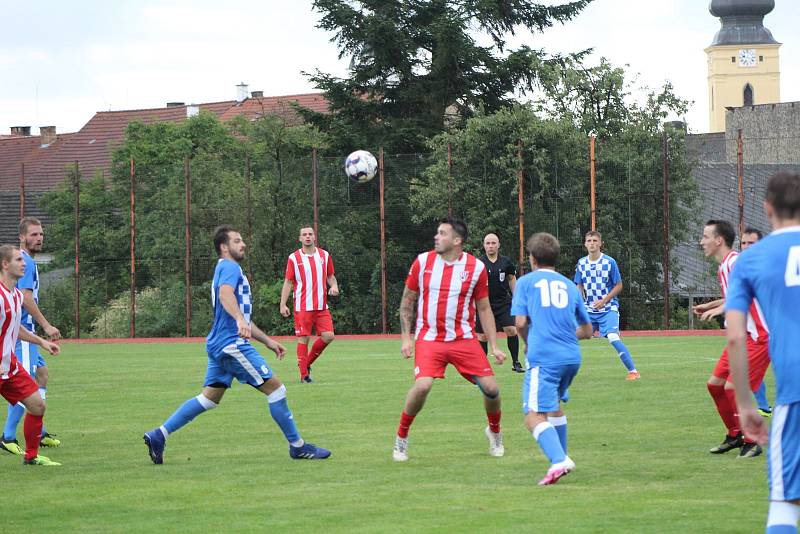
[
  {"x": 599, "y": 281},
  {"x": 547, "y": 308},
  {"x": 769, "y": 271},
  {"x": 31, "y": 239},
  {"x": 230, "y": 355}
]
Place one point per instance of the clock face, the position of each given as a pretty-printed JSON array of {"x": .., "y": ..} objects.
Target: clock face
[{"x": 747, "y": 57}]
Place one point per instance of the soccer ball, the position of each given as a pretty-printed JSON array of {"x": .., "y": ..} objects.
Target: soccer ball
[{"x": 361, "y": 166}]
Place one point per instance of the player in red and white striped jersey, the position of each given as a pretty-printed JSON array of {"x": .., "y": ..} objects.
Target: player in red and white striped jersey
[
  {"x": 717, "y": 242},
  {"x": 448, "y": 286},
  {"x": 310, "y": 273},
  {"x": 16, "y": 385}
]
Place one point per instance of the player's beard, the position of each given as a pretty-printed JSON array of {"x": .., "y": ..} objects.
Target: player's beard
[{"x": 236, "y": 255}]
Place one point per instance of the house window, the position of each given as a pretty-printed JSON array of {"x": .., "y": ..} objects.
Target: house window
[
  {"x": 748, "y": 95},
  {"x": 733, "y": 59}
]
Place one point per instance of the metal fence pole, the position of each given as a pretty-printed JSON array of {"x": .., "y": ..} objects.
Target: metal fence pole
[
  {"x": 133, "y": 249},
  {"x": 22, "y": 191},
  {"x": 381, "y": 177},
  {"x": 592, "y": 181},
  {"x": 521, "y": 207},
  {"x": 77, "y": 184},
  {"x": 665, "y": 266},
  {"x": 187, "y": 264},
  {"x": 314, "y": 192},
  {"x": 740, "y": 179}
]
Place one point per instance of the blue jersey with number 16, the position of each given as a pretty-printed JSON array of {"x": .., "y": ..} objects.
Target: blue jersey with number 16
[
  {"x": 770, "y": 272},
  {"x": 555, "y": 308},
  {"x": 224, "y": 331}
]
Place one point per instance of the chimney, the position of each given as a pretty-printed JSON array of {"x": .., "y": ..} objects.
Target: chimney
[
  {"x": 48, "y": 134},
  {"x": 257, "y": 94},
  {"x": 241, "y": 93},
  {"x": 175, "y": 104},
  {"x": 21, "y": 130},
  {"x": 192, "y": 110}
]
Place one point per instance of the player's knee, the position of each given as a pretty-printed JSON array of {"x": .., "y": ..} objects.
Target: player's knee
[
  {"x": 422, "y": 388},
  {"x": 327, "y": 337},
  {"x": 612, "y": 337},
  {"x": 36, "y": 406}
]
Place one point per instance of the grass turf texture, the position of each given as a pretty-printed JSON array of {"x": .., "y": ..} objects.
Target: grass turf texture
[{"x": 640, "y": 448}]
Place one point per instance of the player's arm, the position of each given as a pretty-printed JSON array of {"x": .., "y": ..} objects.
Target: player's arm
[
  {"x": 271, "y": 344},
  {"x": 286, "y": 290},
  {"x": 521, "y": 322},
  {"x": 227, "y": 298},
  {"x": 709, "y": 310},
  {"x": 581, "y": 291},
  {"x": 333, "y": 286},
  {"x": 512, "y": 283},
  {"x": 752, "y": 423},
  {"x": 407, "y": 302},
  {"x": 616, "y": 290},
  {"x": 487, "y": 322},
  {"x": 30, "y": 337},
  {"x": 32, "y": 308}
]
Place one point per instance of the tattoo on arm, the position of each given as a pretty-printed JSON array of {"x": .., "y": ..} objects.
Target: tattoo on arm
[{"x": 407, "y": 310}]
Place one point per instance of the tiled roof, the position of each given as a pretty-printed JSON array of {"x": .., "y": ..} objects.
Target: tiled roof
[
  {"x": 93, "y": 145},
  {"x": 16, "y": 151},
  {"x": 255, "y": 107}
]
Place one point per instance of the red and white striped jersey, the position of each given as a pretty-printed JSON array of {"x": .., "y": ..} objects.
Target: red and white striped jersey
[
  {"x": 10, "y": 319},
  {"x": 309, "y": 275},
  {"x": 756, "y": 324},
  {"x": 447, "y": 295}
]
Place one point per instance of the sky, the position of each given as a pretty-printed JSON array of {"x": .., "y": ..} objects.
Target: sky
[{"x": 60, "y": 62}]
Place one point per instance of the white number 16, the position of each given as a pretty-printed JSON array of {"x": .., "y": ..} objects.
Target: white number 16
[{"x": 553, "y": 293}]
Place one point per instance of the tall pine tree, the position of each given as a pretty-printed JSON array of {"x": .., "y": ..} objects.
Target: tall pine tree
[{"x": 417, "y": 65}]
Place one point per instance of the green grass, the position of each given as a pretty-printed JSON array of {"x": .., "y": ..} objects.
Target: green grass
[{"x": 640, "y": 448}]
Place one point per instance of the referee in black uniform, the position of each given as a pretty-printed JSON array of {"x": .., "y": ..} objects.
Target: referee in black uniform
[{"x": 502, "y": 279}]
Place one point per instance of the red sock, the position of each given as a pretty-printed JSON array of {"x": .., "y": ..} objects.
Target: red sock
[
  {"x": 302, "y": 359},
  {"x": 33, "y": 435},
  {"x": 494, "y": 421},
  {"x": 316, "y": 350},
  {"x": 727, "y": 411},
  {"x": 730, "y": 394},
  {"x": 405, "y": 424}
]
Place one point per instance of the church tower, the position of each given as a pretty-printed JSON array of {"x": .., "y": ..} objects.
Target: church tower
[{"x": 743, "y": 65}]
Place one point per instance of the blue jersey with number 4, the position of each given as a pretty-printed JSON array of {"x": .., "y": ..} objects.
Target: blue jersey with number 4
[
  {"x": 224, "y": 331},
  {"x": 770, "y": 272},
  {"x": 555, "y": 308}
]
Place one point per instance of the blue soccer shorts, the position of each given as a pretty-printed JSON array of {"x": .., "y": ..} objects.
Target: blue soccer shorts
[
  {"x": 544, "y": 387},
  {"x": 605, "y": 322},
  {"x": 784, "y": 453},
  {"x": 29, "y": 357},
  {"x": 241, "y": 362}
]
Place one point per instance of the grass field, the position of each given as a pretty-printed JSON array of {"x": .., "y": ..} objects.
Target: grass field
[{"x": 640, "y": 449}]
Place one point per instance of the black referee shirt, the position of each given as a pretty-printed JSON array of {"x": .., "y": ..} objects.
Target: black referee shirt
[{"x": 499, "y": 271}]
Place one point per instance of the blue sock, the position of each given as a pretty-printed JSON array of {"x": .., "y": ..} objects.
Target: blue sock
[
  {"x": 548, "y": 440},
  {"x": 781, "y": 529},
  {"x": 624, "y": 355},
  {"x": 560, "y": 424},
  {"x": 15, "y": 413},
  {"x": 761, "y": 397},
  {"x": 188, "y": 411},
  {"x": 280, "y": 412}
]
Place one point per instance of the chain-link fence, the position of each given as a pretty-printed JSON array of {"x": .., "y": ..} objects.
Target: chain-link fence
[{"x": 138, "y": 237}]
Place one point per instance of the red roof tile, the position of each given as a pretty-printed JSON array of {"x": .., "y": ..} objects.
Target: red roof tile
[
  {"x": 16, "y": 151},
  {"x": 256, "y": 107}
]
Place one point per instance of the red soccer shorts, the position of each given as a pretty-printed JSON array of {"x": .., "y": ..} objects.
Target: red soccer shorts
[
  {"x": 757, "y": 363},
  {"x": 466, "y": 355},
  {"x": 18, "y": 386},
  {"x": 305, "y": 322}
]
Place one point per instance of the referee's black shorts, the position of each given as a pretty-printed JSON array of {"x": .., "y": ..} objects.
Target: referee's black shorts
[{"x": 502, "y": 318}]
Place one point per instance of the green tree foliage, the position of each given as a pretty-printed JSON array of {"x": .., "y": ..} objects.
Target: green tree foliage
[{"x": 418, "y": 62}]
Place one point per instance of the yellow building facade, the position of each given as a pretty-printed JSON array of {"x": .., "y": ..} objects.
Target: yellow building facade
[{"x": 743, "y": 59}]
